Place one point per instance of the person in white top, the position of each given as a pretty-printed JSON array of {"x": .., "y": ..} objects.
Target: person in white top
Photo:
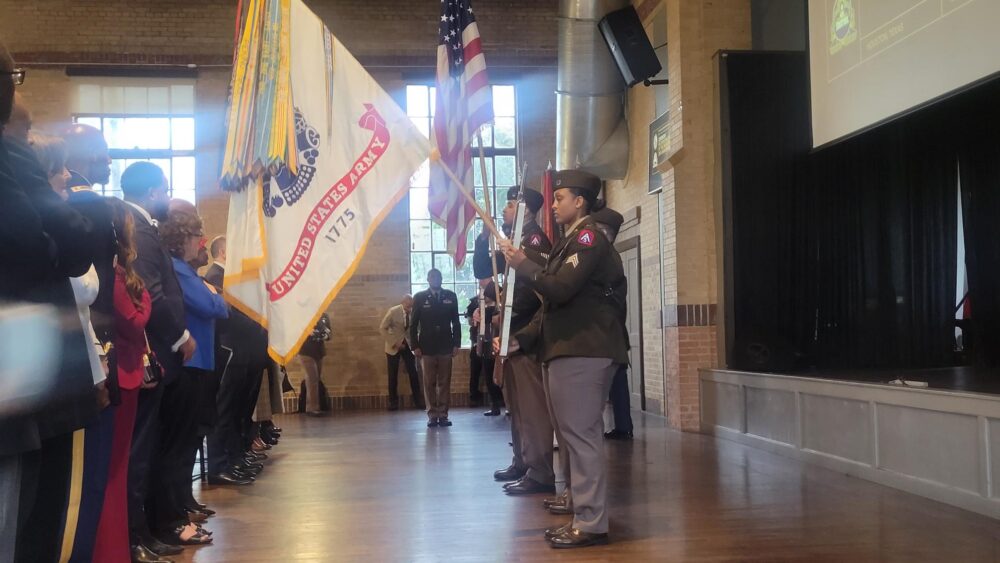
[{"x": 85, "y": 289}]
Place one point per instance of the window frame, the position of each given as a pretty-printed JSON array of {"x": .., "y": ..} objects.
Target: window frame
[
  {"x": 148, "y": 154},
  {"x": 490, "y": 153}
]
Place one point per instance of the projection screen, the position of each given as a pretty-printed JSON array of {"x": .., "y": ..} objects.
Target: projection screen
[{"x": 871, "y": 60}]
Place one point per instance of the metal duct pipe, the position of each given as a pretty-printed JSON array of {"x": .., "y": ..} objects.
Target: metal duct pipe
[{"x": 591, "y": 131}]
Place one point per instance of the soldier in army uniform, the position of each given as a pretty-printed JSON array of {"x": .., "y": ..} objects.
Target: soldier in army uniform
[
  {"x": 580, "y": 339},
  {"x": 436, "y": 336},
  {"x": 531, "y": 426}
]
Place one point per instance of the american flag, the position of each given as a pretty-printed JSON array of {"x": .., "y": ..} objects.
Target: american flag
[{"x": 464, "y": 103}]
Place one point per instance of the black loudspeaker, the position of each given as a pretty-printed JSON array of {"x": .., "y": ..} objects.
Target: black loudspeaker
[{"x": 623, "y": 32}]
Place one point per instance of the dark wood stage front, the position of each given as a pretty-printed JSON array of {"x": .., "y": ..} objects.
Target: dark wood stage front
[{"x": 374, "y": 486}]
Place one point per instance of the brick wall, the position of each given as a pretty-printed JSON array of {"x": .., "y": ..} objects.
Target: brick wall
[
  {"x": 387, "y": 31},
  {"x": 678, "y": 235},
  {"x": 394, "y": 39}
]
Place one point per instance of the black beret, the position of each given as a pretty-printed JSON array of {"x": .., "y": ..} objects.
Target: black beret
[
  {"x": 609, "y": 217},
  {"x": 532, "y": 199},
  {"x": 586, "y": 182}
]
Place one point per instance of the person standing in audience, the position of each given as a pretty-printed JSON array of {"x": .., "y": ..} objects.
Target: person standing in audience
[
  {"x": 51, "y": 153},
  {"x": 243, "y": 347},
  {"x": 481, "y": 360},
  {"x": 132, "y": 310},
  {"x": 437, "y": 334},
  {"x": 609, "y": 221},
  {"x": 44, "y": 438},
  {"x": 86, "y": 149},
  {"x": 395, "y": 330},
  {"x": 28, "y": 256},
  {"x": 311, "y": 357},
  {"x": 182, "y": 235},
  {"x": 580, "y": 338},
  {"x": 146, "y": 193}
]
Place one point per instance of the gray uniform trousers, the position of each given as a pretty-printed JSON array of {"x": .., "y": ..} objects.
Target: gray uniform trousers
[
  {"x": 437, "y": 385},
  {"x": 578, "y": 390},
  {"x": 531, "y": 418},
  {"x": 564, "y": 472},
  {"x": 510, "y": 398}
]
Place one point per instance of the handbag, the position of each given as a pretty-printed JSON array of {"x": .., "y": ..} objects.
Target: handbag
[{"x": 152, "y": 370}]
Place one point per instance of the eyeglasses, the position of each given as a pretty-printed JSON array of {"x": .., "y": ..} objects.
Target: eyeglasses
[{"x": 17, "y": 74}]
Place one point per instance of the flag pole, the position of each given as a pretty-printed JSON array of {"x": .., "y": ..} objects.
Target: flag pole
[
  {"x": 486, "y": 199},
  {"x": 435, "y": 156}
]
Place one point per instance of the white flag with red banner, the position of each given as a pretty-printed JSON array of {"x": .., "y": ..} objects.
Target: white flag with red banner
[{"x": 296, "y": 238}]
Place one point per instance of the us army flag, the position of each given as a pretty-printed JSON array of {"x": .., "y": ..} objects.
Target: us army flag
[{"x": 296, "y": 238}]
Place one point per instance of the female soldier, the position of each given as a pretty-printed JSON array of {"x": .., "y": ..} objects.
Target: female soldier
[{"x": 580, "y": 339}]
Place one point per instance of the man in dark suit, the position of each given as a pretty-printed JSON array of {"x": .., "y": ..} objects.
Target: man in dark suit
[
  {"x": 146, "y": 192},
  {"x": 241, "y": 360},
  {"x": 436, "y": 334},
  {"x": 45, "y": 472}
]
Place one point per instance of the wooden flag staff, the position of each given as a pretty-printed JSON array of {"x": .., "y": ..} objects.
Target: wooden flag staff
[{"x": 435, "y": 157}]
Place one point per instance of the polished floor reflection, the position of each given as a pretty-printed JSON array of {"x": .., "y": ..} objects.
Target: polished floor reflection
[{"x": 376, "y": 486}]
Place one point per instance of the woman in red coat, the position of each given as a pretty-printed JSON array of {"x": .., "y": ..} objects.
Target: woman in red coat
[{"x": 132, "y": 309}]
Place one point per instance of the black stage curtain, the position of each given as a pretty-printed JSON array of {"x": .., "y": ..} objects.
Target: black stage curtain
[
  {"x": 979, "y": 165},
  {"x": 765, "y": 137},
  {"x": 843, "y": 258}
]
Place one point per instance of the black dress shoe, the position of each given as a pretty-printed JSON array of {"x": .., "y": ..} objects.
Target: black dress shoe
[
  {"x": 248, "y": 474},
  {"x": 561, "y": 509},
  {"x": 159, "y": 548},
  {"x": 250, "y": 459},
  {"x": 198, "y": 507},
  {"x": 529, "y": 486},
  {"x": 553, "y": 532},
  {"x": 142, "y": 554},
  {"x": 227, "y": 478},
  {"x": 618, "y": 435},
  {"x": 561, "y": 499},
  {"x": 246, "y": 466},
  {"x": 432, "y": 423},
  {"x": 575, "y": 538},
  {"x": 444, "y": 421},
  {"x": 510, "y": 474},
  {"x": 492, "y": 412},
  {"x": 392, "y": 408},
  {"x": 514, "y": 483}
]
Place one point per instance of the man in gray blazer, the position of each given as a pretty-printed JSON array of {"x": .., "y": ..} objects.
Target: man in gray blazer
[{"x": 395, "y": 330}]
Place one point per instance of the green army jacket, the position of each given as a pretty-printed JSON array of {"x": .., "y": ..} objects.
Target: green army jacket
[{"x": 583, "y": 299}]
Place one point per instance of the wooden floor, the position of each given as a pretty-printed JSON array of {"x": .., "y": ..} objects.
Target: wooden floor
[{"x": 383, "y": 487}]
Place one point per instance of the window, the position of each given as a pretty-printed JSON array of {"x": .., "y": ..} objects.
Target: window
[
  {"x": 144, "y": 122},
  {"x": 427, "y": 238}
]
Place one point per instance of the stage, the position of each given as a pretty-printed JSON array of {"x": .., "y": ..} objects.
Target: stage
[{"x": 941, "y": 442}]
